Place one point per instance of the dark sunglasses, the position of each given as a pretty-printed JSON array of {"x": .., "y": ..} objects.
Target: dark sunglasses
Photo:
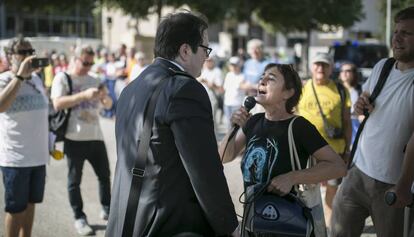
[
  {"x": 206, "y": 49},
  {"x": 24, "y": 52},
  {"x": 86, "y": 64}
]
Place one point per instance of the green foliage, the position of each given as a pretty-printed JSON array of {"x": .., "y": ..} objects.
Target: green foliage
[
  {"x": 214, "y": 10},
  {"x": 304, "y": 15},
  {"x": 51, "y": 6}
]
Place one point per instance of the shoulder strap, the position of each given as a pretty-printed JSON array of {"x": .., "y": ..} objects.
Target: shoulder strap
[
  {"x": 386, "y": 69},
  {"x": 138, "y": 171},
  {"x": 385, "y": 72},
  {"x": 69, "y": 79},
  {"x": 325, "y": 120},
  {"x": 342, "y": 94}
]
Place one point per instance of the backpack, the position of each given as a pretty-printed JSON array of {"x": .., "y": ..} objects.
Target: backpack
[{"x": 58, "y": 120}]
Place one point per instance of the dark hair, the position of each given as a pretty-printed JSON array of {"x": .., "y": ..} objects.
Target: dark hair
[
  {"x": 292, "y": 81},
  {"x": 177, "y": 29},
  {"x": 84, "y": 50},
  {"x": 355, "y": 74},
  {"x": 13, "y": 46},
  {"x": 404, "y": 14}
]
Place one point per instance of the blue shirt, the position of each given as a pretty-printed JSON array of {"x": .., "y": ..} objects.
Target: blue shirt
[{"x": 253, "y": 69}]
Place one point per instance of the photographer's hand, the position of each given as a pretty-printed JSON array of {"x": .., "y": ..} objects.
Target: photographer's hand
[{"x": 25, "y": 69}]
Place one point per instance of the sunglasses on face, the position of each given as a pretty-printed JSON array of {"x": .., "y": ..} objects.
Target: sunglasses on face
[
  {"x": 206, "y": 49},
  {"x": 86, "y": 63},
  {"x": 24, "y": 52}
]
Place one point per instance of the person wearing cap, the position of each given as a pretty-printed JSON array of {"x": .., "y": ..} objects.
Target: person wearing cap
[
  {"x": 83, "y": 139},
  {"x": 234, "y": 88},
  {"x": 23, "y": 138},
  {"x": 322, "y": 93}
]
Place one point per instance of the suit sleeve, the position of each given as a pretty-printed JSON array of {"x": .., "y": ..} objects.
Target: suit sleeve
[{"x": 191, "y": 122}]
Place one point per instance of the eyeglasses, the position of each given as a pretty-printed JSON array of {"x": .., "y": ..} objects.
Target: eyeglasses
[
  {"x": 86, "y": 64},
  {"x": 24, "y": 52},
  {"x": 206, "y": 49},
  {"x": 347, "y": 70}
]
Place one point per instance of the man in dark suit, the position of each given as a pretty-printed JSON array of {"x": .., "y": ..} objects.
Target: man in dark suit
[{"x": 183, "y": 189}]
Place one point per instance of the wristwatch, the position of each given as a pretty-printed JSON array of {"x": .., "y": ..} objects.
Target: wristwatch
[
  {"x": 19, "y": 77},
  {"x": 23, "y": 78}
]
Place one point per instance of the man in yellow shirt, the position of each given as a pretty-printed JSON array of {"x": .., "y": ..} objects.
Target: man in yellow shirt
[{"x": 326, "y": 104}]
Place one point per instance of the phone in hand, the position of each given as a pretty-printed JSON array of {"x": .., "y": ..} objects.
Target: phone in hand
[{"x": 40, "y": 62}]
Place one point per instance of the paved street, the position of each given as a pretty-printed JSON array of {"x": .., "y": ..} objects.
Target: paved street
[{"x": 54, "y": 216}]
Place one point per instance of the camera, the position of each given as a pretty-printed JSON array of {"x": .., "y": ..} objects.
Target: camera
[
  {"x": 40, "y": 62},
  {"x": 333, "y": 132}
]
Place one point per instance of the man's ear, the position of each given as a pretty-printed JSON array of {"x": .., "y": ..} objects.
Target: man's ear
[{"x": 185, "y": 52}]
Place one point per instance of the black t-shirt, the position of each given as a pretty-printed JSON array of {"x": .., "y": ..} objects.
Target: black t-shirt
[{"x": 268, "y": 140}]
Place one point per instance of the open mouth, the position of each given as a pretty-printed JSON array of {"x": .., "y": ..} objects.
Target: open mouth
[{"x": 261, "y": 92}]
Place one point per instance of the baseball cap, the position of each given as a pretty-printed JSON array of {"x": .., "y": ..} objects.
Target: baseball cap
[
  {"x": 322, "y": 58},
  {"x": 234, "y": 60}
]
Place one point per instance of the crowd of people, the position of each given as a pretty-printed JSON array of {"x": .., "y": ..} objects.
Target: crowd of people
[{"x": 168, "y": 173}]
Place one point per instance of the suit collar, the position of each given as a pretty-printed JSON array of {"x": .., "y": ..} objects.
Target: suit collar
[{"x": 169, "y": 64}]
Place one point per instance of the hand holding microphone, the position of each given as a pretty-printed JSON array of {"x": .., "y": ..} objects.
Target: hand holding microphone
[{"x": 240, "y": 117}]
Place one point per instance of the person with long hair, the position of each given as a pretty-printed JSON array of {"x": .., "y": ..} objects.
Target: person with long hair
[{"x": 350, "y": 79}]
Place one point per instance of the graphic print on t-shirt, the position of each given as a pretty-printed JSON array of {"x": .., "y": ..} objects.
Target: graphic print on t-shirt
[{"x": 259, "y": 156}]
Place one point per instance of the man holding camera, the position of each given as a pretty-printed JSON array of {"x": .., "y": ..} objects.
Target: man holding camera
[
  {"x": 326, "y": 105},
  {"x": 23, "y": 144},
  {"x": 83, "y": 139}
]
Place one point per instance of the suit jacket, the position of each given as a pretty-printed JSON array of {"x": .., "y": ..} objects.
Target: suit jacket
[{"x": 184, "y": 188}]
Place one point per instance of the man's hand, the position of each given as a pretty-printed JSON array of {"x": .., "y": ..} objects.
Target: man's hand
[
  {"x": 90, "y": 93},
  {"x": 25, "y": 69},
  {"x": 404, "y": 196},
  {"x": 363, "y": 103}
]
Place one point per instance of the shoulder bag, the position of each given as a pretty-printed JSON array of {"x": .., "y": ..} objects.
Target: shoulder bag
[{"x": 58, "y": 120}]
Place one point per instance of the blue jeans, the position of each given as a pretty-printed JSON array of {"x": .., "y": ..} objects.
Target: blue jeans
[
  {"x": 110, "y": 84},
  {"x": 94, "y": 152}
]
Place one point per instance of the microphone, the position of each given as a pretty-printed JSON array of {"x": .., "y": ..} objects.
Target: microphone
[{"x": 248, "y": 104}]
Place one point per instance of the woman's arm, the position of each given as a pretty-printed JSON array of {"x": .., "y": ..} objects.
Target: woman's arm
[
  {"x": 237, "y": 143},
  {"x": 329, "y": 166},
  {"x": 234, "y": 147}
]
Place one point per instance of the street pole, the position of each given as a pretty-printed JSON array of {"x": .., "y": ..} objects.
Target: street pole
[{"x": 388, "y": 25}]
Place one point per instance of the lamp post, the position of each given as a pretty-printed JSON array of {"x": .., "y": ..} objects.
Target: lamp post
[
  {"x": 388, "y": 25},
  {"x": 109, "y": 25}
]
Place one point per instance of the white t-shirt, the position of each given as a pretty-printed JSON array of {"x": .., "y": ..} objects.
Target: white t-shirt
[
  {"x": 24, "y": 126},
  {"x": 354, "y": 95},
  {"x": 390, "y": 125},
  {"x": 212, "y": 76},
  {"x": 233, "y": 95},
  {"x": 83, "y": 123}
]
